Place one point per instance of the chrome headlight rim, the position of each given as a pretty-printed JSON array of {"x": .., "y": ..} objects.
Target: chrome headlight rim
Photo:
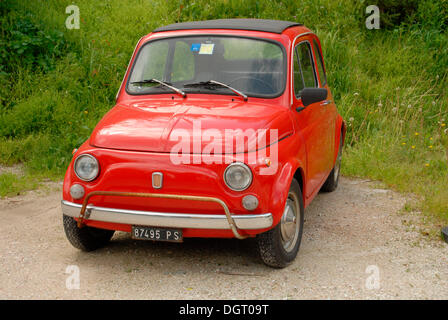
[
  {"x": 246, "y": 168},
  {"x": 91, "y": 157}
]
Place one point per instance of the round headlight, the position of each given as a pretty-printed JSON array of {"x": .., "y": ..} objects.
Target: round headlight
[
  {"x": 238, "y": 176},
  {"x": 86, "y": 167}
]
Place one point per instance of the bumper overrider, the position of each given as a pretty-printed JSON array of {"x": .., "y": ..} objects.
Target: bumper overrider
[{"x": 166, "y": 219}]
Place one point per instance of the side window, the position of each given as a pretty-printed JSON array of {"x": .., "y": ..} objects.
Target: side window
[
  {"x": 298, "y": 80},
  {"x": 304, "y": 74},
  {"x": 320, "y": 64}
]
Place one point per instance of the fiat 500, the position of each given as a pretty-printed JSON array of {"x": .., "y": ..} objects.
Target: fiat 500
[{"x": 221, "y": 128}]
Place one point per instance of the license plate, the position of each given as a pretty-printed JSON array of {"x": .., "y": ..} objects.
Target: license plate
[{"x": 156, "y": 234}]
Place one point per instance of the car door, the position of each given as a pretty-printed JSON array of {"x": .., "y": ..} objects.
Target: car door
[
  {"x": 311, "y": 120},
  {"x": 330, "y": 109}
]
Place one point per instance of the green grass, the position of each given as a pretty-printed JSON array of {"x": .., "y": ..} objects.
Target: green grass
[
  {"x": 12, "y": 184},
  {"x": 388, "y": 83}
]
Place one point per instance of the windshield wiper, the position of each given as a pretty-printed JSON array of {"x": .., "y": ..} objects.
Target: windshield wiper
[
  {"x": 215, "y": 83},
  {"x": 183, "y": 94}
]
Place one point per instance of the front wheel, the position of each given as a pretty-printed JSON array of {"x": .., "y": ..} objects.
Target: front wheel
[
  {"x": 279, "y": 246},
  {"x": 85, "y": 238}
]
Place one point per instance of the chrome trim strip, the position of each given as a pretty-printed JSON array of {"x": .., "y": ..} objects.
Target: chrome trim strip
[
  {"x": 164, "y": 219},
  {"x": 292, "y": 63},
  {"x": 127, "y": 69}
]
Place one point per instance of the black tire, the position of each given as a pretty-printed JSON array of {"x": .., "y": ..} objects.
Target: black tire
[
  {"x": 85, "y": 238},
  {"x": 271, "y": 245},
  {"x": 333, "y": 179}
]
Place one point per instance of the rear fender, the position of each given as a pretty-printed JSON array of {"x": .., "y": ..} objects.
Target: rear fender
[{"x": 340, "y": 130}]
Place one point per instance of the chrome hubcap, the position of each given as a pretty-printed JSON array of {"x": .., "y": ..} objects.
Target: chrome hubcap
[{"x": 289, "y": 224}]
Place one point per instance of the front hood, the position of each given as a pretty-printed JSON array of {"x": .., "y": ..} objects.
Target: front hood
[{"x": 160, "y": 126}]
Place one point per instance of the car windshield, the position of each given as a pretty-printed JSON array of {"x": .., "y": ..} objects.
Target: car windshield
[{"x": 252, "y": 66}]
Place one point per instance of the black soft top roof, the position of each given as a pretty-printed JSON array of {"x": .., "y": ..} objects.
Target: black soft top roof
[{"x": 275, "y": 26}]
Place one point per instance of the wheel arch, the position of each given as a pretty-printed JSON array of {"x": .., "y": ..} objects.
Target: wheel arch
[
  {"x": 291, "y": 170},
  {"x": 340, "y": 132},
  {"x": 299, "y": 176}
]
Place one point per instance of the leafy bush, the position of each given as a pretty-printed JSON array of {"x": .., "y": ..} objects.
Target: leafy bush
[
  {"x": 423, "y": 13},
  {"x": 26, "y": 45},
  {"x": 396, "y": 12}
]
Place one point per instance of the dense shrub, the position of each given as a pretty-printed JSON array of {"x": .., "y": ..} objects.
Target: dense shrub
[
  {"x": 421, "y": 13},
  {"x": 24, "y": 46}
]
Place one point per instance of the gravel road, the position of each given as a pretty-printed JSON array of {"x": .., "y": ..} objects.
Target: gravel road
[{"x": 355, "y": 246}]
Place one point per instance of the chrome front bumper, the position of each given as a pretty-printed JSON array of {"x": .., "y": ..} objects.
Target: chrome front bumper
[{"x": 164, "y": 219}]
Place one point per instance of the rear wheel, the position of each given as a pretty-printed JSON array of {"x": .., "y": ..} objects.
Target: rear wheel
[
  {"x": 333, "y": 179},
  {"x": 85, "y": 238},
  {"x": 279, "y": 246}
]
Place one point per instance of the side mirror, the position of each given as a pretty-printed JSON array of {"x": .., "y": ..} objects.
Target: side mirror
[{"x": 313, "y": 95}]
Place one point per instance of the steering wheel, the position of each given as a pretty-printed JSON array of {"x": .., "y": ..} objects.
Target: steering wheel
[{"x": 264, "y": 83}]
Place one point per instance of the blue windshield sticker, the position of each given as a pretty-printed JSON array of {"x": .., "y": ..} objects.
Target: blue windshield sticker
[{"x": 195, "y": 47}]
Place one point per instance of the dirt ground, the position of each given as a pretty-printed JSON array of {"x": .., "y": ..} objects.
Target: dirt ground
[{"x": 355, "y": 246}]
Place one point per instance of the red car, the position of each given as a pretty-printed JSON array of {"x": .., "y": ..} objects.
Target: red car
[{"x": 221, "y": 128}]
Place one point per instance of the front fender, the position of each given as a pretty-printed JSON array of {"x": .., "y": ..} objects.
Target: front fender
[{"x": 294, "y": 160}]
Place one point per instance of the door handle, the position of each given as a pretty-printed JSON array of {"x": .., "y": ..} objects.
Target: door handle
[{"x": 326, "y": 102}]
